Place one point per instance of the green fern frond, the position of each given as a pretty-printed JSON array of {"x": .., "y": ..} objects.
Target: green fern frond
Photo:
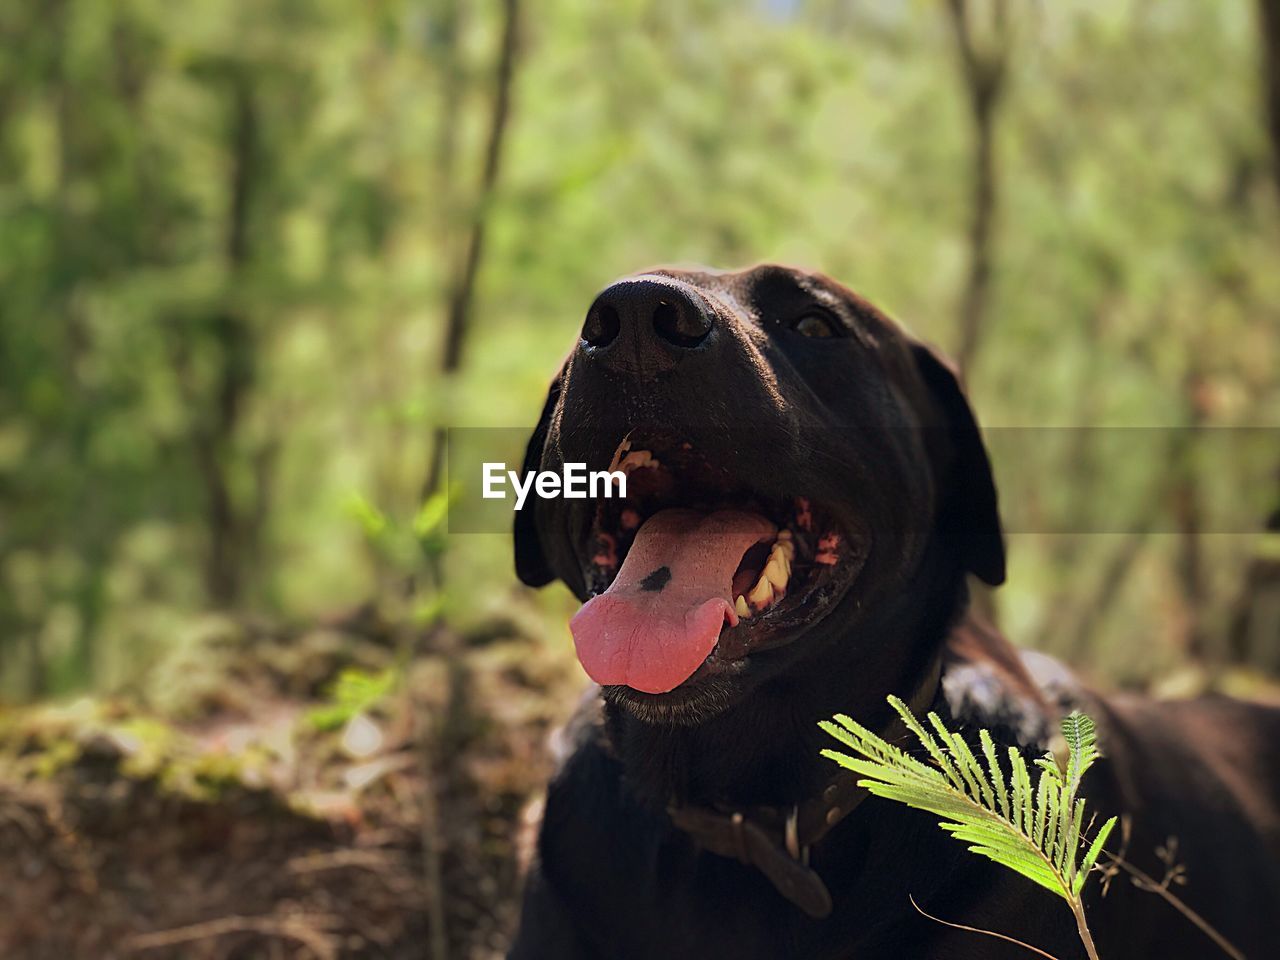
[
  {"x": 997, "y": 775},
  {"x": 1033, "y": 827},
  {"x": 1042, "y": 809},
  {"x": 1091, "y": 856},
  {"x": 1023, "y": 813},
  {"x": 1082, "y": 738}
]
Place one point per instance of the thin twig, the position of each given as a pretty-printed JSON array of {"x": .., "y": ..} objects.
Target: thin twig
[
  {"x": 292, "y": 929},
  {"x": 1144, "y": 882},
  {"x": 462, "y": 285},
  {"x": 339, "y": 859},
  {"x": 422, "y": 797},
  {"x": 989, "y": 933},
  {"x": 431, "y": 835},
  {"x": 985, "y": 68},
  {"x": 386, "y": 868}
]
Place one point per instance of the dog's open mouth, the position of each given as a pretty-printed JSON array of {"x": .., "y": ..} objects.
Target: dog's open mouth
[{"x": 695, "y": 569}]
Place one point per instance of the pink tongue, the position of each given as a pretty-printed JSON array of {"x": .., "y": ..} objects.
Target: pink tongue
[{"x": 661, "y": 617}]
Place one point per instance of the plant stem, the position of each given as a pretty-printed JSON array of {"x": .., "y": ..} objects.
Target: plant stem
[
  {"x": 1077, "y": 908},
  {"x": 988, "y": 933},
  {"x": 1144, "y": 882}
]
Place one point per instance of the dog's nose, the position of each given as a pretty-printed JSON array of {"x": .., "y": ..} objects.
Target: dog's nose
[{"x": 645, "y": 324}]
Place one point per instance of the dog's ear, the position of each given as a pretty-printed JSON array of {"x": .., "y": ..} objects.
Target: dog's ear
[
  {"x": 531, "y": 560},
  {"x": 967, "y": 512}
]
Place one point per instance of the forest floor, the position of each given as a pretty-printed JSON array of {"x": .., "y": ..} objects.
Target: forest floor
[
  {"x": 311, "y": 797},
  {"x": 336, "y": 791}
]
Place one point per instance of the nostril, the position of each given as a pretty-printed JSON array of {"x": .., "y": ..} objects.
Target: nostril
[
  {"x": 602, "y": 325},
  {"x": 681, "y": 324}
]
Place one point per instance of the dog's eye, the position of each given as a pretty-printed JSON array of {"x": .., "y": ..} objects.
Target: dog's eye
[{"x": 813, "y": 324}]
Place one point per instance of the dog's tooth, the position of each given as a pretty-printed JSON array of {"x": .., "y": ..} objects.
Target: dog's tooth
[
  {"x": 761, "y": 595},
  {"x": 781, "y": 556},
  {"x": 775, "y": 573},
  {"x": 740, "y": 607},
  {"x": 620, "y": 454},
  {"x": 636, "y": 460}
]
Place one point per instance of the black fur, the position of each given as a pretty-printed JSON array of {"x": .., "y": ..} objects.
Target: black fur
[{"x": 874, "y": 425}]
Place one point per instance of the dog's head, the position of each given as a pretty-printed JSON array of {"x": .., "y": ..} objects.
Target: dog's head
[{"x": 790, "y": 456}]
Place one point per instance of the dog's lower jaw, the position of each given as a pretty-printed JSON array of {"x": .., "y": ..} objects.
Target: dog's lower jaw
[
  {"x": 764, "y": 748},
  {"x": 713, "y": 696}
]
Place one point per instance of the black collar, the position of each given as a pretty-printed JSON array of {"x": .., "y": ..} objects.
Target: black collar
[{"x": 776, "y": 840}]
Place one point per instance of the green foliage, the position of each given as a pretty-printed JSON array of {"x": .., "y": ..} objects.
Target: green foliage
[
  {"x": 429, "y": 526},
  {"x": 1035, "y": 829},
  {"x": 43, "y": 743},
  {"x": 225, "y": 234},
  {"x": 354, "y": 692},
  {"x": 373, "y": 522}
]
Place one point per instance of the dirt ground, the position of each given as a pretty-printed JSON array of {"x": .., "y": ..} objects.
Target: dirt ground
[{"x": 349, "y": 809}]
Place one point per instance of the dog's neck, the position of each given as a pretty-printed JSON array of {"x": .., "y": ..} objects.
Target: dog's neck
[{"x": 765, "y": 750}]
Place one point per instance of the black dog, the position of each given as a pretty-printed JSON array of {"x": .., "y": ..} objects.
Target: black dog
[{"x": 807, "y": 494}]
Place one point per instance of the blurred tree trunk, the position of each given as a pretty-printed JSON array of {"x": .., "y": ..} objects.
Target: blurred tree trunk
[
  {"x": 461, "y": 288},
  {"x": 447, "y": 48},
  {"x": 57, "y": 17},
  {"x": 1269, "y": 32},
  {"x": 464, "y": 261},
  {"x": 94, "y": 547},
  {"x": 1188, "y": 513},
  {"x": 1092, "y": 613},
  {"x": 984, "y": 66},
  {"x": 1254, "y": 627},
  {"x": 233, "y": 338},
  {"x": 1253, "y": 633}
]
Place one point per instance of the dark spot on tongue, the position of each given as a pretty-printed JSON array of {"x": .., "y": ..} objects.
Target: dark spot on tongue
[
  {"x": 650, "y": 630},
  {"x": 655, "y": 581}
]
